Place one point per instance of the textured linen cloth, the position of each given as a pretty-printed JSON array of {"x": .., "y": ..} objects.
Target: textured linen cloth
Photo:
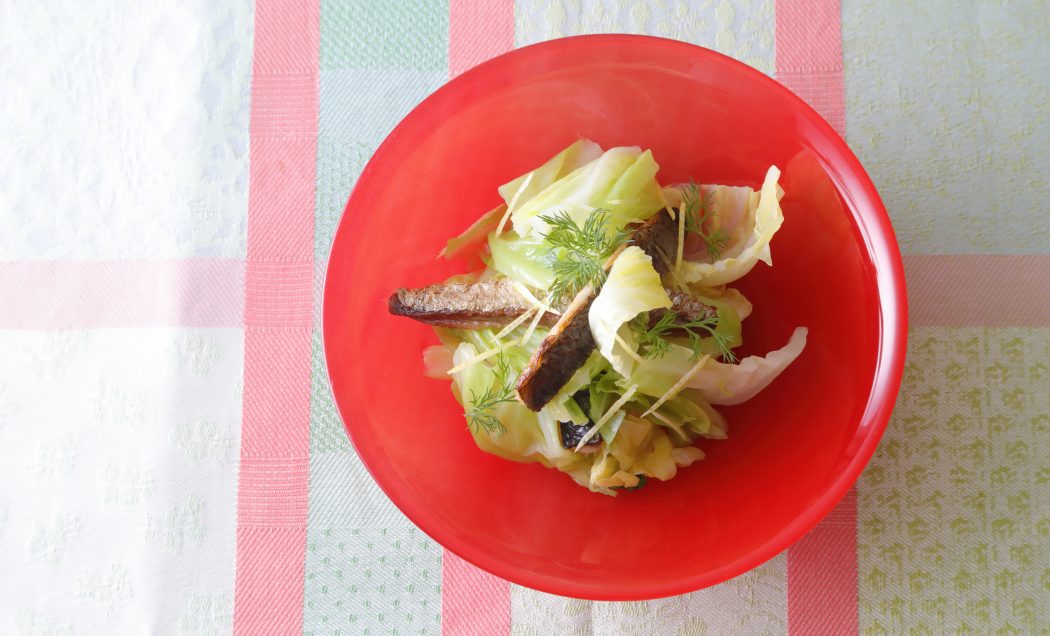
[{"x": 171, "y": 175}]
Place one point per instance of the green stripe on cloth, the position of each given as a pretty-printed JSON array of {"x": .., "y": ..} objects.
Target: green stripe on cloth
[
  {"x": 368, "y": 569},
  {"x": 364, "y": 581},
  {"x": 339, "y": 162},
  {"x": 327, "y": 434},
  {"x": 742, "y": 29},
  {"x": 363, "y": 106},
  {"x": 954, "y": 510},
  {"x": 384, "y": 34},
  {"x": 947, "y": 109}
]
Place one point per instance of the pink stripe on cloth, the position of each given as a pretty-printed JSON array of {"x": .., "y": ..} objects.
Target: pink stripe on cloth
[
  {"x": 478, "y": 30},
  {"x": 809, "y": 56},
  {"x": 987, "y": 290},
  {"x": 200, "y": 292},
  {"x": 272, "y": 493},
  {"x": 822, "y": 566},
  {"x": 472, "y": 601},
  {"x": 822, "y": 575}
]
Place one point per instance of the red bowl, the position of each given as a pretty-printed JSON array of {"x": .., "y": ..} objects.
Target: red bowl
[{"x": 793, "y": 451}]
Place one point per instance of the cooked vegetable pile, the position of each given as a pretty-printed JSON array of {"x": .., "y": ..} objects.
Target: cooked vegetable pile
[{"x": 602, "y": 329}]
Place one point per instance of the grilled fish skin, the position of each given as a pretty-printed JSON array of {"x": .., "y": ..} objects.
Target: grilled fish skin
[
  {"x": 657, "y": 237},
  {"x": 489, "y": 303},
  {"x": 497, "y": 302},
  {"x": 562, "y": 352},
  {"x": 687, "y": 306}
]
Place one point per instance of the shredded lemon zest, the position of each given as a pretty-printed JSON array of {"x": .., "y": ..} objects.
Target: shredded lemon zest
[
  {"x": 535, "y": 321},
  {"x": 681, "y": 245},
  {"x": 607, "y": 415},
  {"x": 681, "y": 235},
  {"x": 666, "y": 420},
  {"x": 531, "y": 298},
  {"x": 678, "y": 386},
  {"x": 678, "y": 284},
  {"x": 679, "y": 250},
  {"x": 514, "y": 323},
  {"x": 513, "y": 204}
]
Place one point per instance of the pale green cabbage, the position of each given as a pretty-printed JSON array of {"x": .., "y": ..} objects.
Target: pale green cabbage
[
  {"x": 740, "y": 304},
  {"x": 521, "y": 190},
  {"x": 622, "y": 181},
  {"x": 521, "y": 259},
  {"x": 735, "y": 383},
  {"x": 656, "y": 376},
  {"x": 633, "y": 286},
  {"x": 761, "y": 218}
]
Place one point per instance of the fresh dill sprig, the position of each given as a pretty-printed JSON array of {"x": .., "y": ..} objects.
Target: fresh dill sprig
[
  {"x": 480, "y": 415},
  {"x": 653, "y": 341},
  {"x": 698, "y": 212},
  {"x": 577, "y": 256}
]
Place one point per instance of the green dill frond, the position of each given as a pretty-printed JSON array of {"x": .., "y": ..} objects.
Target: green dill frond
[
  {"x": 480, "y": 415},
  {"x": 698, "y": 212},
  {"x": 653, "y": 341},
  {"x": 578, "y": 254}
]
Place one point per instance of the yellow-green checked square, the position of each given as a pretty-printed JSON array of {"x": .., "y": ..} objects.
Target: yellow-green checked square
[{"x": 953, "y": 513}]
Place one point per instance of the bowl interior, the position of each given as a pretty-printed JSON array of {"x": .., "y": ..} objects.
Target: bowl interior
[{"x": 792, "y": 451}]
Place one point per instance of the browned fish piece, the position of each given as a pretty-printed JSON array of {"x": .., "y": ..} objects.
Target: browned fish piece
[
  {"x": 562, "y": 352},
  {"x": 569, "y": 343},
  {"x": 489, "y": 303},
  {"x": 687, "y": 306},
  {"x": 657, "y": 237},
  {"x": 495, "y": 303}
]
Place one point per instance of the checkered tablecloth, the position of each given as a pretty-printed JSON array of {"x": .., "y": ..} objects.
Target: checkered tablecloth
[{"x": 171, "y": 175}]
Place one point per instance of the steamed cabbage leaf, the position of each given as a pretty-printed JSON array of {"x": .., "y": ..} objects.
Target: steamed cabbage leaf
[
  {"x": 521, "y": 190},
  {"x": 717, "y": 382},
  {"x": 523, "y": 436},
  {"x": 750, "y": 221},
  {"x": 732, "y": 297},
  {"x": 735, "y": 383},
  {"x": 621, "y": 181},
  {"x": 519, "y": 437},
  {"x": 657, "y": 375},
  {"x": 633, "y": 286},
  {"x": 521, "y": 259},
  {"x": 563, "y": 406}
]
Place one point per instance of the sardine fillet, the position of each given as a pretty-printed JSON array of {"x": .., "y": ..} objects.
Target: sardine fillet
[
  {"x": 496, "y": 303},
  {"x": 491, "y": 303}
]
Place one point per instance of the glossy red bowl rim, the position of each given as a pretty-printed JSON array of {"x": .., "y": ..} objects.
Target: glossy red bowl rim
[{"x": 876, "y": 231}]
